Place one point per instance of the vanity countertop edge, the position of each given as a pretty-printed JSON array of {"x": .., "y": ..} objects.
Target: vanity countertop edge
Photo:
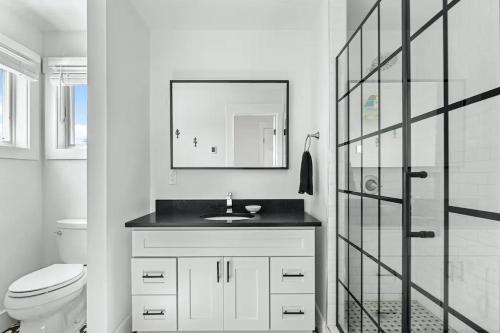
[{"x": 187, "y": 213}]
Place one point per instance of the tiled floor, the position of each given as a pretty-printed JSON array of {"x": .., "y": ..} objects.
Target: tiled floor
[{"x": 423, "y": 320}]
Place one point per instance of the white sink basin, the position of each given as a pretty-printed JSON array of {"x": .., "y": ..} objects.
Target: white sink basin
[{"x": 227, "y": 217}]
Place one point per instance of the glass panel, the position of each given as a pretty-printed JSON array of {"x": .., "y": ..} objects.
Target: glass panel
[
  {"x": 80, "y": 107},
  {"x": 355, "y": 60},
  {"x": 426, "y": 316},
  {"x": 343, "y": 126},
  {"x": 355, "y": 272},
  {"x": 427, "y": 70},
  {"x": 421, "y": 11},
  {"x": 343, "y": 307},
  {"x": 342, "y": 167},
  {"x": 355, "y": 166},
  {"x": 390, "y": 27},
  {"x": 457, "y": 326},
  {"x": 390, "y": 302},
  {"x": 354, "y": 316},
  {"x": 391, "y": 163},
  {"x": 391, "y": 93},
  {"x": 475, "y": 156},
  {"x": 370, "y": 286},
  {"x": 427, "y": 204},
  {"x": 342, "y": 223},
  {"x": 474, "y": 49},
  {"x": 355, "y": 219},
  {"x": 370, "y": 226},
  {"x": 370, "y": 43},
  {"x": 342, "y": 74},
  {"x": 355, "y": 113},
  {"x": 474, "y": 288},
  {"x": 391, "y": 234},
  {"x": 370, "y": 104},
  {"x": 370, "y": 165},
  {"x": 342, "y": 247}
]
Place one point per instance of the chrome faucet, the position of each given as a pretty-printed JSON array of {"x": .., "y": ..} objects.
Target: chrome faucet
[{"x": 229, "y": 203}]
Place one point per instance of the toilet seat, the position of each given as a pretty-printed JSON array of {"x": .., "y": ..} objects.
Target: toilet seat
[
  {"x": 46, "y": 280},
  {"x": 49, "y": 295}
]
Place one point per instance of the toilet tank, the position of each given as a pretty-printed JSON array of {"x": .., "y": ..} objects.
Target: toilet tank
[{"x": 72, "y": 240}]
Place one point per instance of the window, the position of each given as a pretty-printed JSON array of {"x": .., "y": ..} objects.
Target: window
[
  {"x": 66, "y": 108},
  {"x": 19, "y": 100},
  {"x": 14, "y": 109},
  {"x": 72, "y": 111}
]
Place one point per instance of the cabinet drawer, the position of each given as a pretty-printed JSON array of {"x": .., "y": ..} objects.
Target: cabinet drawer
[
  {"x": 292, "y": 312},
  {"x": 223, "y": 242},
  {"x": 154, "y": 276},
  {"x": 292, "y": 275},
  {"x": 154, "y": 313}
]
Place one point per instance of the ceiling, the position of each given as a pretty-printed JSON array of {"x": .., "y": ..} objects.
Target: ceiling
[
  {"x": 228, "y": 14},
  {"x": 51, "y": 15}
]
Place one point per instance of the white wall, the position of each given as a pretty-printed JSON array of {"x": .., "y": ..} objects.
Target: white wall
[
  {"x": 229, "y": 54},
  {"x": 65, "y": 44},
  {"x": 300, "y": 56},
  {"x": 64, "y": 196},
  {"x": 118, "y": 175},
  {"x": 337, "y": 27},
  {"x": 21, "y": 184},
  {"x": 319, "y": 118},
  {"x": 64, "y": 181}
]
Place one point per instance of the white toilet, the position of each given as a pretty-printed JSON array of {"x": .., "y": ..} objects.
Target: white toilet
[{"x": 53, "y": 299}]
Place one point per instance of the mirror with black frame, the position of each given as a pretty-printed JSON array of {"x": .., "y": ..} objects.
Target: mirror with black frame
[{"x": 229, "y": 124}]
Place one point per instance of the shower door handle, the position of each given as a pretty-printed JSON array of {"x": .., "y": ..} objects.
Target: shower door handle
[
  {"x": 417, "y": 174},
  {"x": 422, "y": 234}
]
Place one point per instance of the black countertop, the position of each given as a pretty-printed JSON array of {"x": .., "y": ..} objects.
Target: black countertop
[{"x": 187, "y": 213}]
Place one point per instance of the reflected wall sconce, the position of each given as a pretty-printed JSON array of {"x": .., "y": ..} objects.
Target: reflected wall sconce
[{"x": 195, "y": 141}]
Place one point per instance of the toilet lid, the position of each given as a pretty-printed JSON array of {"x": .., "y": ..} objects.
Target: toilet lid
[{"x": 51, "y": 277}]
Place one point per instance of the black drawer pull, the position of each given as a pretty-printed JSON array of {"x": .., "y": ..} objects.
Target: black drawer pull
[
  {"x": 422, "y": 234},
  {"x": 218, "y": 271},
  {"x": 292, "y": 275},
  {"x": 153, "y": 276},
  {"x": 418, "y": 174},
  {"x": 293, "y": 312},
  {"x": 153, "y": 313}
]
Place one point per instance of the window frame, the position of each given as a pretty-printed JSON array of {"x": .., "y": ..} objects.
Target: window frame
[
  {"x": 25, "y": 64},
  {"x": 57, "y": 133}
]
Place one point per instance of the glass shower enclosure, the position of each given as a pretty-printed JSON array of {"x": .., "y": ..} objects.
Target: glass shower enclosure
[{"x": 418, "y": 169}]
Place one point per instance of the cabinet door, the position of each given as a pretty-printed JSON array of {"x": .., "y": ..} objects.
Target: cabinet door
[
  {"x": 246, "y": 294},
  {"x": 200, "y": 294}
]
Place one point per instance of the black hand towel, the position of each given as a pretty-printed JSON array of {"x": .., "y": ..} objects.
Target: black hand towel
[{"x": 306, "y": 174}]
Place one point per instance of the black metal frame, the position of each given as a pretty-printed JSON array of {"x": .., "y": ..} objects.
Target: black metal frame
[
  {"x": 286, "y": 133},
  {"x": 405, "y": 126}
]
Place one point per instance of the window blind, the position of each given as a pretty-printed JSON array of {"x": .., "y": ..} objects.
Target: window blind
[
  {"x": 19, "y": 59},
  {"x": 66, "y": 71}
]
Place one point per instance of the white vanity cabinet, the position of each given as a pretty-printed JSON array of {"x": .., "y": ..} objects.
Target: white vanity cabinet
[
  {"x": 223, "y": 279},
  {"x": 200, "y": 298}
]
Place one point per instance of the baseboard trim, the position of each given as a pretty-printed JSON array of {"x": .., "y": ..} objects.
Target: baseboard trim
[
  {"x": 5, "y": 321},
  {"x": 125, "y": 326}
]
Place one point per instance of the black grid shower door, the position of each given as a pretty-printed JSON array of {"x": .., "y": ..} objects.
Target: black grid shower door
[{"x": 418, "y": 169}]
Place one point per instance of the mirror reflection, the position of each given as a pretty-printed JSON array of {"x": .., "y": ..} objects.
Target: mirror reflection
[{"x": 229, "y": 124}]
